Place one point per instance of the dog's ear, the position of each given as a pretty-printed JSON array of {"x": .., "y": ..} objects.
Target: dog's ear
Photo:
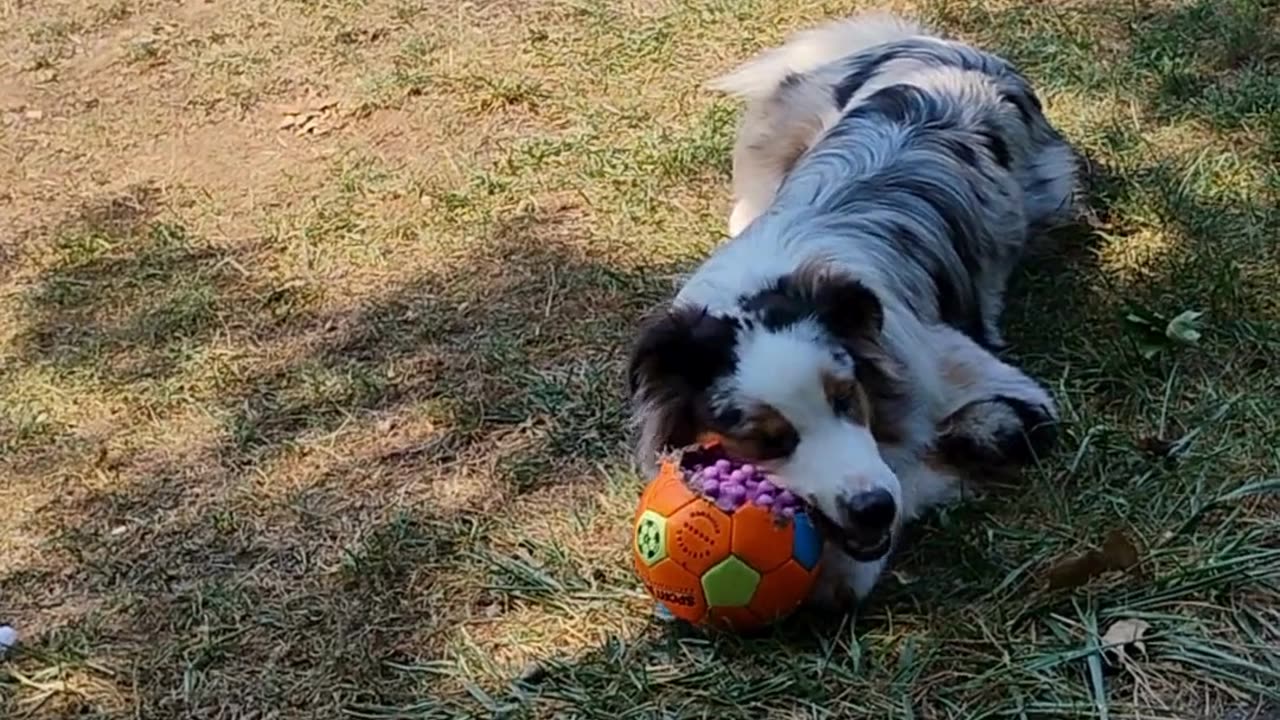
[
  {"x": 848, "y": 309},
  {"x": 682, "y": 348},
  {"x": 852, "y": 313},
  {"x": 677, "y": 356}
]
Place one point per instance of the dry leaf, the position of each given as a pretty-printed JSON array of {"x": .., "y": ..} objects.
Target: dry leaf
[
  {"x": 1118, "y": 553},
  {"x": 1156, "y": 446},
  {"x": 304, "y": 117},
  {"x": 1121, "y": 635},
  {"x": 1075, "y": 571}
]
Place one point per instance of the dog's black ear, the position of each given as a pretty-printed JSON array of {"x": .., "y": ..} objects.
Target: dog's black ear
[
  {"x": 848, "y": 309},
  {"x": 681, "y": 349},
  {"x": 678, "y": 355}
]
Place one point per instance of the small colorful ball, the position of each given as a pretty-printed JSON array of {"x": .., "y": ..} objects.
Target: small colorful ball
[{"x": 714, "y": 553}]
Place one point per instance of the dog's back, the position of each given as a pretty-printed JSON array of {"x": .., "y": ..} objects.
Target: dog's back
[
  {"x": 910, "y": 138},
  {"x": 789, "y": 106}
]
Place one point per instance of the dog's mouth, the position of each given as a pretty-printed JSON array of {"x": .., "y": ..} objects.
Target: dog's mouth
[
  {"x": 863, "y": 546},
  {"x": 866, "y": 550}
]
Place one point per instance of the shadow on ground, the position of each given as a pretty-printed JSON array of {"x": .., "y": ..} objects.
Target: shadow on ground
[{"x": 343, "y": 464}]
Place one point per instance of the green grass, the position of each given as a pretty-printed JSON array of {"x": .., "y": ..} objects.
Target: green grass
[{"x": 337, "y": 429}]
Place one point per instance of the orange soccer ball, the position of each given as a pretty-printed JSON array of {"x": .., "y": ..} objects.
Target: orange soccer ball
[{"x": 711, "y": 562}]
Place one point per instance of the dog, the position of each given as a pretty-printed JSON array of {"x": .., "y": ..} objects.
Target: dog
[{"x": 886, "y": 182}]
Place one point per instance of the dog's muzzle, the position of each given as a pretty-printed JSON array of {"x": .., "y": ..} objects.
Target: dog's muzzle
[{"x": 865, "y": 528}]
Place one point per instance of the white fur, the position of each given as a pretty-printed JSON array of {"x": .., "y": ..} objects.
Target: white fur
[{"x": 837, "y": 455}]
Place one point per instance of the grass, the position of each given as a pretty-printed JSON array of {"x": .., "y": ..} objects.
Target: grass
[{"x": 332, "y": 426}]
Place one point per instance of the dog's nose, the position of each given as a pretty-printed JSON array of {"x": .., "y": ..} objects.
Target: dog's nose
[{"x": 871, "y": 511}]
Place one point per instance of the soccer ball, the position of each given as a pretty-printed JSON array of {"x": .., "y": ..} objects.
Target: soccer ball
[{"x": 728, "y": 555}]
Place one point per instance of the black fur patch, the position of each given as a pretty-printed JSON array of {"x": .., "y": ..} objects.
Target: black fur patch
[
  {"x": 1032, "y": 437},
  {"x": 963, "y": 153},
  {"x": 777, "y": 306},
  {"x": 684, "y": 348},
  {"x": 956, "y": 306},
  {"x": 1039, "y": 430},
  {"x": 997, "y": 147},
  {"x": 843, "y": 306},
  {"x": 679, "y": 354},
  {"x": 728, "y": 417},
  {"x": 847, "y": 87},
  {"x": 1027, "y": 103},
  {"x": 903, "y": 104},
  {"x": 792, "y": 79}
]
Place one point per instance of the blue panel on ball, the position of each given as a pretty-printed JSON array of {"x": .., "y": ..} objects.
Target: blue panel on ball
[{"x": 807, "y": 548}]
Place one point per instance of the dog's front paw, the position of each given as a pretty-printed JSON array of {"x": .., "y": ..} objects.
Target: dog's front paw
[{"x": 999, "y": 431}]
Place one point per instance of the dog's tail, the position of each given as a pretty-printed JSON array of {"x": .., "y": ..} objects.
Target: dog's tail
[
  {"x": 761, "y": 76},
  {"x": 788, "y": 107}
]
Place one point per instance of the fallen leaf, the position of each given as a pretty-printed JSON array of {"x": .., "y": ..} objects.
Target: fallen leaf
[
  {"x": 1148, "y": 349},
  {"x": 1072, "y": 572},
  {"x": 1118, "y": 552},
  {"x": 1185, "y": 327},
  {"x": 1124, "y": 634},
  {"x": 1156, "y": 446},
  {"x": 1145, "y": 326}
]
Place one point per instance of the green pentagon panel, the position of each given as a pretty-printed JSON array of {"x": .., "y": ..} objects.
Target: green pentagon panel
[
  {"x": 731, "y": 583},
  {"x": 651, "y": 537}
]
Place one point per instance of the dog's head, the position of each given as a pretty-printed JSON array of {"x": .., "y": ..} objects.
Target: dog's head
[{"x": 794, "y": 382}]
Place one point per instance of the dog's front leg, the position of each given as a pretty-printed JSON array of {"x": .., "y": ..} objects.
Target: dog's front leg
[{"x": 994, "y": 413}]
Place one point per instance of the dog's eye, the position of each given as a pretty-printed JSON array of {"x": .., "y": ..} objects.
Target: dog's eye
[
  {"x": 728, "y": 418},
  {"x": 763, "y": 435},
  {"x": 842, "y": 403},
  {"x": 777, "y": 445},
  {"x": 842, "y": 394}
]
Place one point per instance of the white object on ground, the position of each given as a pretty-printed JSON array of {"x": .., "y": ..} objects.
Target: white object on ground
[{"x": 8, "y": 638}]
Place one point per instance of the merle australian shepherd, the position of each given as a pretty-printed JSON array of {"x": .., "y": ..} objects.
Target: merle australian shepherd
[{"x": 886, "y": 182}]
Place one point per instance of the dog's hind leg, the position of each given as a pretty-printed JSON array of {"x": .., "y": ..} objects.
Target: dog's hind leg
[{"x": 775, "y": 131}]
